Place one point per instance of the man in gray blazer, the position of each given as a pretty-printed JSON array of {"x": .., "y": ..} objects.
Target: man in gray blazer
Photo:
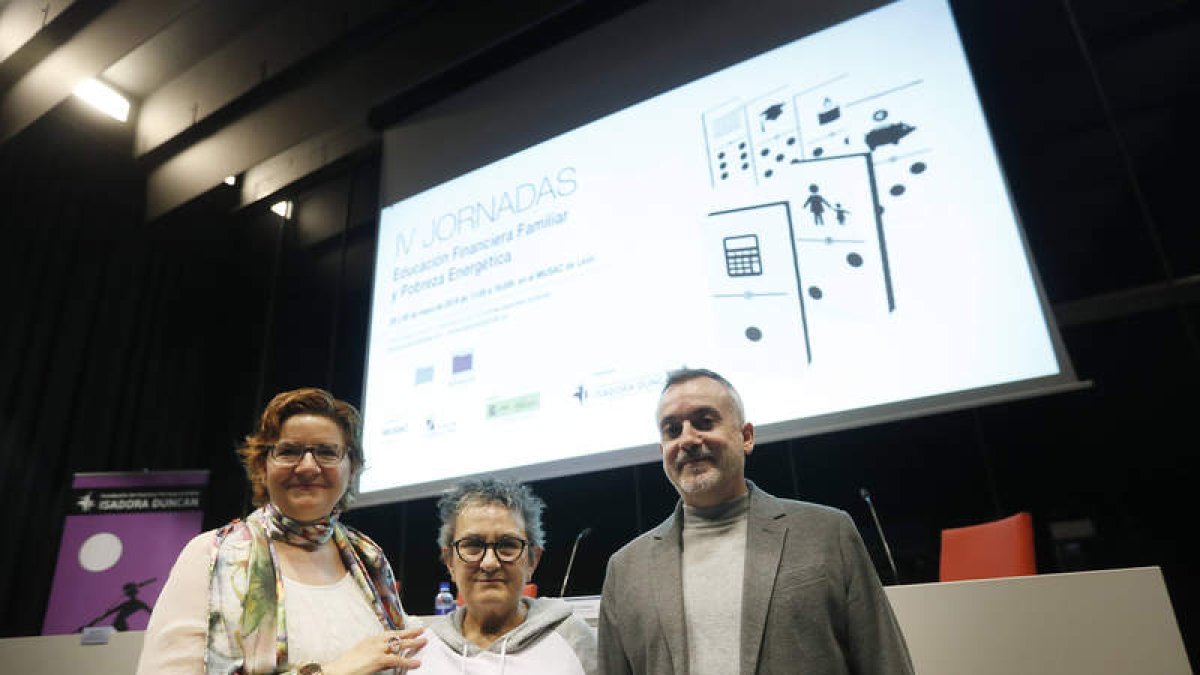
[{"x": 736, "y": 580}]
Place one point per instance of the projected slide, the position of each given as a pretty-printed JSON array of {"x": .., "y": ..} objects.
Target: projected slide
[{"x": 825, "y": 223}]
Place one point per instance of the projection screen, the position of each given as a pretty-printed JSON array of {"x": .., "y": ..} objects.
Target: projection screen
[{"x": 802, "y": 196}]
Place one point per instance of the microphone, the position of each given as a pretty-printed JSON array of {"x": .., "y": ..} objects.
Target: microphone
[
  {"x": 571, "y": 561},
  {"x": 879, "y": 528}
]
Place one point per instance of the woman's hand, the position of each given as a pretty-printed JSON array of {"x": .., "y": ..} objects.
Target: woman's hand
[{"x": 389, "y": 649}]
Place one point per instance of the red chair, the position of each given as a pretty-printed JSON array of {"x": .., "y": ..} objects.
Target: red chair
[{"x": 1001, "y": 548}]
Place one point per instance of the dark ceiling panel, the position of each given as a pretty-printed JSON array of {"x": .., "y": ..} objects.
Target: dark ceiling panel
[
  {"x": 339, "y": 97},
  {"x": 188, "y": 40},
  {"x": 22, "y": 20},
  {"x": 269, "y": 48},
  {"x": 91, "y": 50}
]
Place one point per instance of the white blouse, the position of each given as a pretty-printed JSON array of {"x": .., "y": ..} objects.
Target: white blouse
[{"x": 323, "y": 622}]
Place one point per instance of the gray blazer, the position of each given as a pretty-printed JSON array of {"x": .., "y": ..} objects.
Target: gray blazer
[{"x": 811, "y": 601}]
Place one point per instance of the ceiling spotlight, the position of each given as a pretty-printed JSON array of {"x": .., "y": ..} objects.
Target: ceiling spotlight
[
  {"x": 282, "y": 209},
  {"x": 103, "y": 98},
  {"x": 231, "y": 180}
]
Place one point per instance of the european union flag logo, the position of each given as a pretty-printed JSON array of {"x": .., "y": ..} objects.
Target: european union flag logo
[
  {"x": 424, "y": 374},
  {"x": 462, "y": 363}
]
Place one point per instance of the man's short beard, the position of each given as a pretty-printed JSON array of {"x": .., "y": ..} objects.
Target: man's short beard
[{"x": 702, "y": 483}]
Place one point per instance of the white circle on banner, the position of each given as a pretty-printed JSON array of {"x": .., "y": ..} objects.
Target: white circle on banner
[{"x": 100, "y": 552}]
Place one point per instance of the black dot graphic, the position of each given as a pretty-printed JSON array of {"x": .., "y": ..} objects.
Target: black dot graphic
[
  {"x": 724, "y": 176},
  {"x": 765, "y": 152},
  {"x": 814, "y": 292},
  {"x": 745, "y": 166},
  {"x": 769, "y": 172},
  {"x": 897, "y": 190},
  {"x": 741, "y": 146},
  {"x": 721, "y": 155},
  {"x": 791, "y": 141},
  {"x": 753, "y": 334},
  {"x": 854, "y": 259},
  {"x": 917, "y": 167},
  {"x": 779, "y": 157},
  {"x": 817, "y": 152}
]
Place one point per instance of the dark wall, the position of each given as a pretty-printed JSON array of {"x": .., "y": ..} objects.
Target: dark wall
[{"x": 129, "y": 346}]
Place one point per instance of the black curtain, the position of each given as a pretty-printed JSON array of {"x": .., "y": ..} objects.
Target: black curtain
[{"x": 124, "y": 345}]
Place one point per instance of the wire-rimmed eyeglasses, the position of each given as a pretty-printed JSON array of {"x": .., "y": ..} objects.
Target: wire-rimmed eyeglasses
[
  {"x": 291, "y": 454},
  {"x": 473, "y": 549}
]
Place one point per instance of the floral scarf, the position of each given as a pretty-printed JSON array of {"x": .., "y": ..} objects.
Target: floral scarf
[{"x": 247, "y": 628}]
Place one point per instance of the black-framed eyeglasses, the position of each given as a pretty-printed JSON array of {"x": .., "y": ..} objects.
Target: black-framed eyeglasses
[
  {"x": 291, "y": 454},
  {"x": 473, "y": 549}
]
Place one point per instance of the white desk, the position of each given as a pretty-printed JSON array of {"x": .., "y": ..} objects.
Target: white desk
[
  {"x": 61, "y": 654},
  {"x": 1115, "y": 622},
  {"x": 1112, "y": 622}
]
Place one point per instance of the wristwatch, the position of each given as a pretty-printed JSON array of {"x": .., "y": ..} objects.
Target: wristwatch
[{"x": 313, "y": 668}]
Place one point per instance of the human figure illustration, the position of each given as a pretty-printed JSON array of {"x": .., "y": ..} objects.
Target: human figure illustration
[
  {"x": 840, "y": 212},
  {"x": 124, "y": 609},
  {"x": 816, "y": 203}
]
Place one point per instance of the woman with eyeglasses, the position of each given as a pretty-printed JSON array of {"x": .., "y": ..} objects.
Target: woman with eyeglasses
[
  {"x": 491, "y": 539},
  {"x": 290, "y": 589}
]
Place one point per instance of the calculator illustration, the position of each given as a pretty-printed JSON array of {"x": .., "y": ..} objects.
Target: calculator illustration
[{"x": 743, "y": 258}]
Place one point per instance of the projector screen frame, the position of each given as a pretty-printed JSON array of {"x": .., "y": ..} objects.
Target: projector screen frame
[{"x": 579, "y": 103}]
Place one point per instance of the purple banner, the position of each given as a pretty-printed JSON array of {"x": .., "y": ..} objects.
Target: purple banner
[{"x": 120, "y": 537}]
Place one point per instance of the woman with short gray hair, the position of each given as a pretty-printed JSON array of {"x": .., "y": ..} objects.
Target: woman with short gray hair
[{"x": 491, "y": 539}]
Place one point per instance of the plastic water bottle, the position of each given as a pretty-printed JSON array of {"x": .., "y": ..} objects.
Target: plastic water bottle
[{"x": 443, "y": 602}]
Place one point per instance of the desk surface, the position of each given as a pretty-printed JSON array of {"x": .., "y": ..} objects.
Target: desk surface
[{"x": 1113, "y": 622}]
